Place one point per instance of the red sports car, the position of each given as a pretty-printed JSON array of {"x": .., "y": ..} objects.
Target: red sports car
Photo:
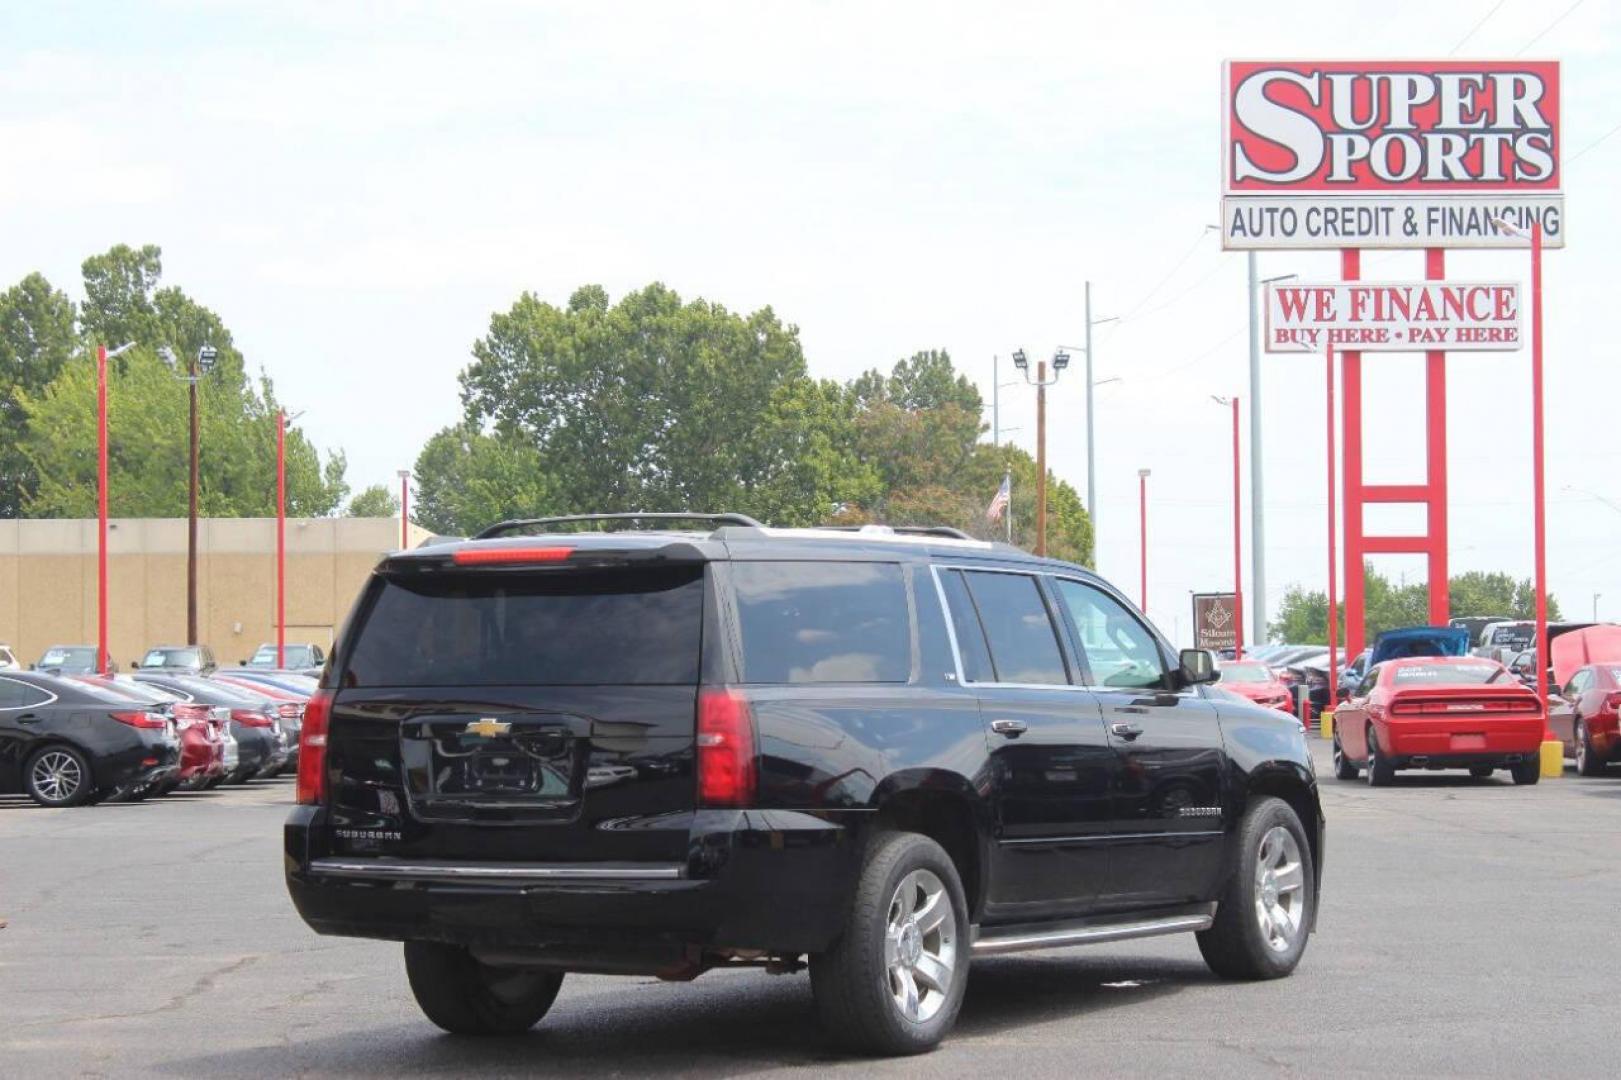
[
  {"x": 1256, "y": 681},
  {"x": 1586, "y": 717},
  {"x": 1438, "y": 712}
]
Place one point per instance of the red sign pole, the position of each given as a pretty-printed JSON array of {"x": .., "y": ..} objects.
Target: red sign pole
[
  {"x": 281, "y": 539},
  {"x": 1539, "y": 493},
  {"x": 101, "y": 509},
  {"x": 1333, "y": 599},
  {"x": 1435, "y": 379},
  {"x": 1238, "y": 560},
  {"x": 1355, "y": 492}
]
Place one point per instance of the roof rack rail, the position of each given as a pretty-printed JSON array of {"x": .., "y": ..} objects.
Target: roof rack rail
[
  {"x": 502, "y": 528},
  {"x": 903, "y": 530}
]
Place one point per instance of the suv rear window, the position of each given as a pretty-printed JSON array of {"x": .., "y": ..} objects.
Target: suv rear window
[
  {"x": 816, "y": 622},
  {"x": 638, "y": 627}
]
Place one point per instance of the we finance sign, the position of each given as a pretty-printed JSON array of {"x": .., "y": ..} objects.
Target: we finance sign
[
  {"x": 1369, "y": 316},
  {"x": 1392, "y": 154}
]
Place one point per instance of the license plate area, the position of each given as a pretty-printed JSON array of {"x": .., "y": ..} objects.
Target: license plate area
[{"x": 493, "y": 769}]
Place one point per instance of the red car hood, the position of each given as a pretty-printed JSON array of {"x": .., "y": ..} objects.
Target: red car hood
[{"x": 1259, "y": 692}]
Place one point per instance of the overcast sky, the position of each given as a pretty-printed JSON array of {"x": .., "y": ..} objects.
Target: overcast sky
[{"x": 356, "y": 187}]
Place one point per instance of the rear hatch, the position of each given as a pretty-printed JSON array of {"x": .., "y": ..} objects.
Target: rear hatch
[{"x": 519, "y": 713}]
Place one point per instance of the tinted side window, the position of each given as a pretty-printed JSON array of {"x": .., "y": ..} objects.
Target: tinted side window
[
  {"x": 16, "y": 695},
  {"x": 817, "y": 622},
  {"x": 1119, "y": 649},
  {"x": 1369, "y": 681},
  {"x": 1023, "y": 640},
  {"x": 976, "y": 658}
]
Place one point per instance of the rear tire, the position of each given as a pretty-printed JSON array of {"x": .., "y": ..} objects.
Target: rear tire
[
  {"x": 466, "y": 997},
  {"x": 894, "y": 981},
  {"x": 58, "y": 775},
  {"x": 1265, "y": 914},
  {"x": 1588, "y": 761},
  {"x": 1528, "y": 771},
  {"x": 1380, "y": 771},
  {"x": 1344, "y": 767}
]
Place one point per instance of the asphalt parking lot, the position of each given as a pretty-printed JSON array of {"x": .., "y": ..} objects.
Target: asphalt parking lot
[{"x": 1469, "y": 929}]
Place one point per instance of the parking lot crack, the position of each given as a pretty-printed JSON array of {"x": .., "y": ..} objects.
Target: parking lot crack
[{"x": 201, "y": 985}]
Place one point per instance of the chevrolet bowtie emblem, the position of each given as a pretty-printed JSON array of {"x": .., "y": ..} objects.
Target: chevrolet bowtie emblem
[{"x": 488, "y": 728}]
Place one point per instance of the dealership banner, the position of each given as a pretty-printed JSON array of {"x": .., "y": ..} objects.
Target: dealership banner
[
  {"x": 1396, "y": 154},
  {"x": 1372, "y": 316},
  {"x": 1215, "y": 621}
]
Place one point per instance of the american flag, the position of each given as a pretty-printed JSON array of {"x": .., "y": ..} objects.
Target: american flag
[{"x": 994, "y": 511}]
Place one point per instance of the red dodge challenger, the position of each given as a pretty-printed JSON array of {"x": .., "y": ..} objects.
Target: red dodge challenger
[
  {"x": 1438, "y": 712},
  {"x": 1256, "y": 681}
]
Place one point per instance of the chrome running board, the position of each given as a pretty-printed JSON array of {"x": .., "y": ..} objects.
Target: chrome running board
[{"x": 995, "y": 940}]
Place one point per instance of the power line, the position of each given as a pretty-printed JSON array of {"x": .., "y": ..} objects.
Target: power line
[
  {"x": 1549, "y": 27},
  {"x": 1592, "y": 144},
  {"x": 1149, "y": 295},
  {"x": 1472, "y": 30}
]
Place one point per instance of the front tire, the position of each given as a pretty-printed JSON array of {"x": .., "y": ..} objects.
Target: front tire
[
  {"x": 466, "y": 997},
  {"x": 58, "y": 776},
  {"x": 1344, "y": 767},
  {"x": 1588, "y": 761},
  {"x": 893, "y": 982},
  {"x": 1266, "y": 911}
]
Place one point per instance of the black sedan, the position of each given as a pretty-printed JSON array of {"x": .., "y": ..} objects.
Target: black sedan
[
  {"x": 261, "y": 744},
  {"x": 65, "y": 743}
]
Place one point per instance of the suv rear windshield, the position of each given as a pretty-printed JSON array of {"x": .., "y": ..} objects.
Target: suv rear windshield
[
  {"x": 818, "y": 622},
  {"x": 618, "y": 627}
]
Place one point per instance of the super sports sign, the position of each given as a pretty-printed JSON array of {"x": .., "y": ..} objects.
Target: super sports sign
[{"x": 1400, "y": 154}]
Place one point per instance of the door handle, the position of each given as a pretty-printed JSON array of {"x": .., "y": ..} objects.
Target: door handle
[
  {"x": 28, "y": 718},
  {"x": 1011, "y": 728},
  {"x": 1125, "y": 731}
]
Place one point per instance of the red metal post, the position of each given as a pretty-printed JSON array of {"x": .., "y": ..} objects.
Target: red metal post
[
  {"x": 1238, "y": 559},
  {"x": 1539, "y": 494},
  {"x": 1333, "y": 600},
  {"x": 1435, "y": 377},
  {"x": 1355, "y": 552},
  {"x": 1142, "y": 533},
  {"x": 281, "y": 539},
  {"x": 101, "y": 509}
]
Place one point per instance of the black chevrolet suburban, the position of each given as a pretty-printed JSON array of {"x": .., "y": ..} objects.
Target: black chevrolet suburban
[{"x": 879, "y": 753}]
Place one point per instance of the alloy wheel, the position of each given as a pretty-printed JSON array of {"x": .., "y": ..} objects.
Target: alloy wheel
[
  {"x": 56, "y": 776},
  {"x": 920, "y": 946},
  {"x": 1280, "y": 898},
  {"x": 1581, "y": 747}
]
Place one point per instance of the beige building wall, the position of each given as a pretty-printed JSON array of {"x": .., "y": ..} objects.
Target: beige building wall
[{"x": 48, "y": 581}]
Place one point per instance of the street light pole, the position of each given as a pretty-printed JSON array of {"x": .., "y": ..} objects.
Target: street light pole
[
  {"x": 1091, "y": 432},
  {"x": 1041, "y": 382},
  {"x": 1238, "y": 559},
  {"x": 102, "y": 356},
  {"x": 281, "y": 538},
  {"x": 405, "y": 508},
  {"x": 1142, "y": 532},
  {"x": 191, "y": 511}
]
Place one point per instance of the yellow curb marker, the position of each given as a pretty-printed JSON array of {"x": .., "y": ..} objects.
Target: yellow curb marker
[
  {"x": 1326, "y": 722},
  {"x": 1553, "y": 759}
]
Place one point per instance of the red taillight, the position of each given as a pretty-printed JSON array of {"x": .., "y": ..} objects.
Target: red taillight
[
  {"x": 497, "y": 556},
  {"x": 312, "y": 750},
  {"x": 1612, "y": 702},
  {"x": 145, "y": 720},
  {"x": 250, "y": 718},
  {"x": 726, "y": 763}
]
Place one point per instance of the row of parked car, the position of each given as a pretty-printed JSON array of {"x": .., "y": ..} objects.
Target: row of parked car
[
  {"x": 1456, "y": 696},
  {"x": 189, "y": 659},
  {"x": 71, "y": 738}
]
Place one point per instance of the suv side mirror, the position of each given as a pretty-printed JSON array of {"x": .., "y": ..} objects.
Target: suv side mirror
[{"x": 1197, "y": 666}]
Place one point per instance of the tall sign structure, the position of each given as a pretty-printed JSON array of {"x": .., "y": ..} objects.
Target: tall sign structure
[{"x": 1422, "y": 155}]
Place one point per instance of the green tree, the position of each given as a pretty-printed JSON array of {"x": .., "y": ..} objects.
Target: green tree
[
  {"x": 466, "y": 480},
  {"x": 1303, "y": 615},
  {"x": 148, "y": 417},
  {"x": 656, "y": 404},
  {"x": 373, "y": 501},
  {"x": 37, "y": 340}
]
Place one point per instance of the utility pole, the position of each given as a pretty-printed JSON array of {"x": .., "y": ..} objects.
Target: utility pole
[
  {"x": 191, "y": 510},
  {"x": 1091, "y": 433},
  {"x": 405, "y": 509},
  {"x": 996, "y": 401},
  {"x": 1142, "y": 532},
  {"x": 1041, "y": 382},
  {"x": 1257, "y": 502}
]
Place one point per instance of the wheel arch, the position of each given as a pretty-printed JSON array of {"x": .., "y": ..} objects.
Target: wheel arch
[
  {"x": 944, "y": 807},
  {"x": 1292, "y": 783}
]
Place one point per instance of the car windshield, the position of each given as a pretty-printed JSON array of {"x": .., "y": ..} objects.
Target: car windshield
[
  {"x": 172, "y": 658},
  {"x": 58, "y": 656},
  {"x": 1445, "y": 674},
  {"x": 1242, "y": 672},
  {"x": 266, "y": 656}
]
